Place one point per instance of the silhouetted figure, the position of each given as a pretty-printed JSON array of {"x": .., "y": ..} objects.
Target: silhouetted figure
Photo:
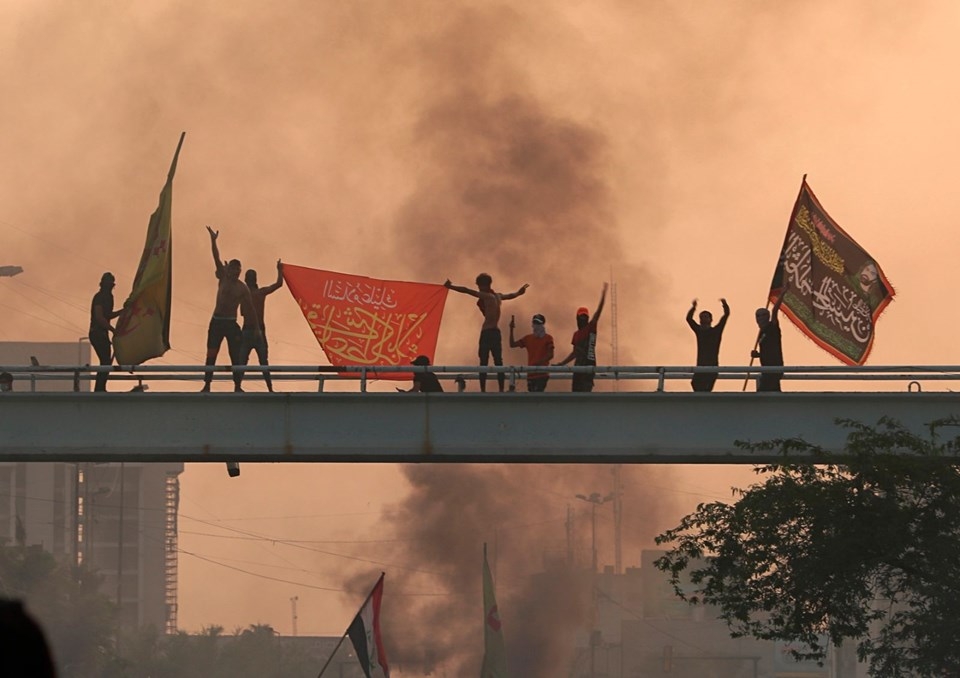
[
  {"x": 539, "y": 347},
  {"x": 231, "y": 294},
  {"x": 491, "y": 341},
  {"x": 423, "y": 382},
  {"x": 771, "y": 348},
  {"x": 249, "y": 336},
  {"x": 708, "y": 344},
  {"x": 101, "y": 313},
  {"x": 24, "y": 652},
  {"x": 6, "y": 382},
  {"x": 584, "y": 342}
]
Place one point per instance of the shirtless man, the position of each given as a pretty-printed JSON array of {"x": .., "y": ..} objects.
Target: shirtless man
[
  {"x": 231, "y": 293},
  {"x": 249, "y": 341},
  {"x": 491, "y": 341}
]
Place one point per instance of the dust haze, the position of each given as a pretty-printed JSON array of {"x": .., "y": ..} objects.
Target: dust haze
[{"x": 659, "y": 145}]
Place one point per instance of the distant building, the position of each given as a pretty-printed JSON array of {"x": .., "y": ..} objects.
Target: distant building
[
  {"x": 642, "y": 629},
  {"x": 119, "y": 519}
]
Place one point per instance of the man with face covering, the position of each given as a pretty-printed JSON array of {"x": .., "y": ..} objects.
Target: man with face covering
[
  {"x": 584, "y": 342},
  {"x": 539, "y": 347},
  {"x": 231, "y": 294},
  {"x": 708, "y": 344},
  {"x": 771, "y": 348}
]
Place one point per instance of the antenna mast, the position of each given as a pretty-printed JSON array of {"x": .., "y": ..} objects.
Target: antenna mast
[{"x": 614, "y": 341}]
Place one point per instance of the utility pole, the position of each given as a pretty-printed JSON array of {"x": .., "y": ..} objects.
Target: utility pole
[
  {"x": 614, "y": 339},
  {"x": 594, "y": 500},
  {"x": 293, "y": 610},
  {"x": 617, "y": 520}
]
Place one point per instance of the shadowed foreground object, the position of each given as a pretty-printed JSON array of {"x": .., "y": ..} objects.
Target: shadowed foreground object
[{"x": 24, "y": 652}]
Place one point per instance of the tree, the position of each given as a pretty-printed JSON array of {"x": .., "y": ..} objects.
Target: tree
[
  {"x": 861, "y": 547},
  {"x": 78, "y": 620}
]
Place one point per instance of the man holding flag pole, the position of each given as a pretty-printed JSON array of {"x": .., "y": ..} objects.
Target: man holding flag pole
[{"x": 829, "y": 287}]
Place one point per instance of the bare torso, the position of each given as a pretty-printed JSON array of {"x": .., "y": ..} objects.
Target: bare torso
[
  {"x": 259, "y": 298},
  {"x": 230, "y": 293},
  {"x": 489, "y": 304}
]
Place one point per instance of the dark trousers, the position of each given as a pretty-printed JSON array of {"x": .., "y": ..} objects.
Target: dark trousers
[
  {"x": 249, "y": 343},
  {"x": 582, "y": 383},
  {"x": 220, "y": 329},
  {"x": 769, "y": 382},
  {"x": 101, "y": 345},
  {"x": 491, "y": 343},
  {"x": 703, "y": 382},
  {"x": 537, "y": 384}
]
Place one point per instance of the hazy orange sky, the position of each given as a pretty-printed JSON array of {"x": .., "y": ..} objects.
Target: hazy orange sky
[{"x": 549, "y": 143}]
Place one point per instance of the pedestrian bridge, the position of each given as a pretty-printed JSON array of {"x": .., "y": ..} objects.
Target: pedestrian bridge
[{"x": 636, "y": 415}]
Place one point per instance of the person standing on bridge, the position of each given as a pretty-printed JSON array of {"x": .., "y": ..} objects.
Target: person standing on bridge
[
  {"x": 231, "y": 294},
  {"x": 539, "y": 347},
  {"x": 770, "y": 345},
  {"x": 584, "y": 353},
  {"x": 491, "y": 341},
  {"x": 708, "y": 344},
  {"x": 249, "y": 341},
  {"x": 101, "y": 313}
]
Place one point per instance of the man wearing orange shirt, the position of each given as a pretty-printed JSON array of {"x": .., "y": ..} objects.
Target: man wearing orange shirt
[{"x": 539, "y": 347}]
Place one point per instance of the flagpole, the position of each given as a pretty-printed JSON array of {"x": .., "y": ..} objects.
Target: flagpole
[
  {"x": 746, "y": 379},
  {"x": 340, "y": 642}
]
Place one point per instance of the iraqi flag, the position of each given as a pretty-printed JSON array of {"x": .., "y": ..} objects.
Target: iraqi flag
[{"x": 365, "y": 635}]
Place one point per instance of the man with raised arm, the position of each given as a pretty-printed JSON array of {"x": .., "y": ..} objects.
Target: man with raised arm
[
  {"x": 491, "y": 341},
  {"x": 231, "y": 294},
  {"x": 584, "y": 342},
  {"x": 249, "y": 341},
  {"x": 708, "y": 344},
  {"x": 771, "y": 346}
]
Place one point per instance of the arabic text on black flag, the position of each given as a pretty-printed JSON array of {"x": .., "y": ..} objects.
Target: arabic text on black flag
[{"x": 833, "y": 290}]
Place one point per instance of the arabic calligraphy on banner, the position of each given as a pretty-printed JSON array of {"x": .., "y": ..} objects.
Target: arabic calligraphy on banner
[
  {"x": 364, "y": 321},
  {"x": 833, "y": 290}
]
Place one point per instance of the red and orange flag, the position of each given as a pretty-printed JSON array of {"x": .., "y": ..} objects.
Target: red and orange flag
[{"x": 362, "y": 321}]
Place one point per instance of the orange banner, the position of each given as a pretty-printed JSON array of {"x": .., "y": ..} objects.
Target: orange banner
[{"x": 365, "y": 321}]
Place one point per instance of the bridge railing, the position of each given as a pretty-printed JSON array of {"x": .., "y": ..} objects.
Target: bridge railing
[{"x": 620, "y": 377}]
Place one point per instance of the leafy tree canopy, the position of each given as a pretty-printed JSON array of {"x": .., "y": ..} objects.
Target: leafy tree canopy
[{"x": 861, "y": 547}]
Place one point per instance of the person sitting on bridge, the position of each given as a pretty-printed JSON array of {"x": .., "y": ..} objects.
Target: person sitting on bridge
[
  {"x": 584, "y": 342},
  {"x": 231, "y": 293},
  {"x": 491, "y": 341},
  {"x": 539, "y": 347},
  {"x": 771, "y": 348},
  {"x": 708, "y": 344},
  {"x": 423, "y": 382}
]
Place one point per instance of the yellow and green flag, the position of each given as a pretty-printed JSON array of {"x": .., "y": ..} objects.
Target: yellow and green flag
[
  {"x": 494, "y": 652},
  {"x": 143, "y": 328}
]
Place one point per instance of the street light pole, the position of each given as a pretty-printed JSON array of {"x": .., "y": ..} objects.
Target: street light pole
[{"x": 594, "y": 500}]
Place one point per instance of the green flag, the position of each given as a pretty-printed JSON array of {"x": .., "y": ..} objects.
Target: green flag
[{"x": 494, "y": 652}]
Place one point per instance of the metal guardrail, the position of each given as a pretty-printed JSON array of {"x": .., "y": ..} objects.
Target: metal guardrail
[{"x": 623, "y": 375}]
